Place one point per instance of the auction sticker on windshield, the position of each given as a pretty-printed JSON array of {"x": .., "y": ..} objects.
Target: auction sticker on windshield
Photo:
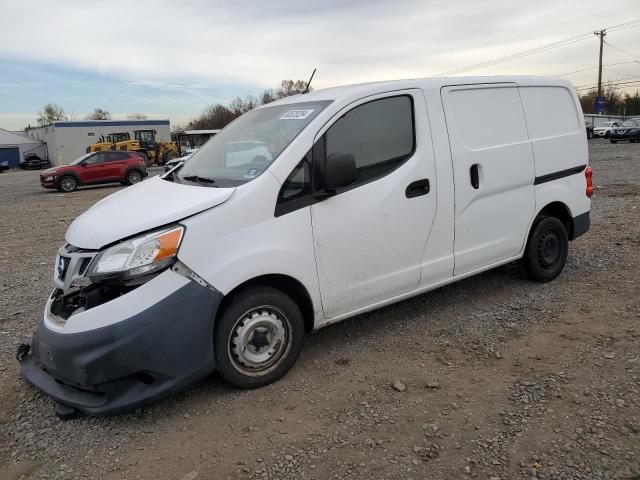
[{"x": 296, "y": 114}]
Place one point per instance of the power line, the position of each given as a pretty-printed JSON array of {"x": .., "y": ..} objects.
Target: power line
[
  {"x": 618, "y": 72},
  {"x": 541, "y": 48},
  {"x": 591, "y": 68},
  {"x": 623, "y": 51},
  {"x": 628, "y": 83},
  {"x": 517, "y": 55}
]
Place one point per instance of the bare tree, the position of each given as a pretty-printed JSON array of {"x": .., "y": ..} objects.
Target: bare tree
[
  {"x": 50, "y": 113},
  {"x": 218, "y": 115},
  {"x": 239, "y": 106},
  {"x": 137, "y": 116},
  {"x": 291, "y": 87},
  {"x": 99, "y": 114},
  {"x": 286, "y": 89},
  {"x": 615, "y": 100}
]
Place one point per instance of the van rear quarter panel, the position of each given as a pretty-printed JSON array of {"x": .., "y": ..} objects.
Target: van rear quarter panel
[{"x": 556, "y": 129}]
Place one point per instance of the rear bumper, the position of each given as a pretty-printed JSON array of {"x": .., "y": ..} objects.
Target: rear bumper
[
  {"x": 581, "y": 225},
  {"x": 138, "y": 360}
]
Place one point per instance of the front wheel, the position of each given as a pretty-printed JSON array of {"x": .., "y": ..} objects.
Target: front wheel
[
  {"x": 67, "y": 184},
  {"x": 547, "y": 249},
  {"x": 134, "y": 176},
  {"x": 258, "y": 337}
]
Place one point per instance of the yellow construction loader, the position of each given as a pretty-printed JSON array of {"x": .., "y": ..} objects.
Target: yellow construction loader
[
  {"x": 144, "y": 142},
  {"x": 108, "y": 142}
]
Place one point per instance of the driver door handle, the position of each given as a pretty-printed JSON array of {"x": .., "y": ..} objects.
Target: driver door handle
[{"x": 418, "y": 188}]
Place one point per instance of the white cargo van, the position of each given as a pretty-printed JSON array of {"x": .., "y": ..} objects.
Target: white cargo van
[{"x": 360, "y": 196}]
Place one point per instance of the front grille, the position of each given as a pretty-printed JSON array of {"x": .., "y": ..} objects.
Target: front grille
[
  {"x": 63, "y": 266},
  {"x": 71, "y": 264}
]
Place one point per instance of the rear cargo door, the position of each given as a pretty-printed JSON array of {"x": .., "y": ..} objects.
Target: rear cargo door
[{"x": 493, "y": 173}]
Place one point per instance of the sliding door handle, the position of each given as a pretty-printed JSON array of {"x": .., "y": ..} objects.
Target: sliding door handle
[
  {"x": 417, "y": 188},
  {"x": 475, "y": 176}
]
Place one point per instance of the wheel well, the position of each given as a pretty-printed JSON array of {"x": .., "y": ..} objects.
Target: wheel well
[
  {"x": 560, "y": 211},
  {"x": 286, "y": 284}
]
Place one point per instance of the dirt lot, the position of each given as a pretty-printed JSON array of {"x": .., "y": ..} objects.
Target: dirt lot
[{"x": 501, "y": 378}]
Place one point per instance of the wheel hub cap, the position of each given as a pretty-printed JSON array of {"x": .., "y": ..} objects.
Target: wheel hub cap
[{"x": 259, "y": 340}]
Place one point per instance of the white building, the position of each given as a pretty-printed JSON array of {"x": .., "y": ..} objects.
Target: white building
[
  {"x": 14, "y": 147},
  {"x": 67, "y": 141}
]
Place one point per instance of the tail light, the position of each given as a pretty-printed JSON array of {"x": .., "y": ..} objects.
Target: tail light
[{"x": 588, "y": 173}]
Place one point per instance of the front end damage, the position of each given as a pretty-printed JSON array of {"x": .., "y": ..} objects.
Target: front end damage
[{"x": 105, "y": 347}]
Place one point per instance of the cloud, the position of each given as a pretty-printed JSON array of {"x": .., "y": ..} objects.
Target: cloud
[
  {"x": 178, "y": 57},
  {"x": 209, "y": 42}
]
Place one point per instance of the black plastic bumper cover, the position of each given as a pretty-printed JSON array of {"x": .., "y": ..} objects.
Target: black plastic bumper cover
[
  {"x": 581, "y": 225},
  {"x": 132, "y": 362}
]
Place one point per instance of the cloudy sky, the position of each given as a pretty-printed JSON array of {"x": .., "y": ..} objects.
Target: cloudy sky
[{"x": 170, "y": 59}]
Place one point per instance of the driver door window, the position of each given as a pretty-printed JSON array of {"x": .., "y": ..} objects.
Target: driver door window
[{"x": 379, "y": 134}]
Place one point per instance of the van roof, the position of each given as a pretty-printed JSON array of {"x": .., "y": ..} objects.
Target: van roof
[{"x": 372, "y": 88}]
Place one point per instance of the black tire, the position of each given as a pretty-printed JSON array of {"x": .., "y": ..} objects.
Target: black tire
[
  {"x": 67, "y": 184},
  {"x": 547, "y": 249},
  {"x": 134, "y": 176},
  {"x": 613, "y": 141},
  {"x": 606, "y": 134},
  {"x": 248, "y": 314},
  {"x": 145, "y": 157},
  {"x": 169, "y": 155}
]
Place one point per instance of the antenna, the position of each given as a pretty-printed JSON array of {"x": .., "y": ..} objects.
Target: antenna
[{"x": 306, "y": 90}]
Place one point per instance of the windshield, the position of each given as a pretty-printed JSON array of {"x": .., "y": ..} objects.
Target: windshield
[
  {"x": 248, "y": 145},
  {"x": 630, "y": 123},
  {"x": 78, "y": 160}
]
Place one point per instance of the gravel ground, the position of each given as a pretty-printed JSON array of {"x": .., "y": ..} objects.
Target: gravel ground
[{"x": 493, "y": 377}]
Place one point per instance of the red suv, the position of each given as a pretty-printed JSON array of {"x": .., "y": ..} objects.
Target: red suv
[{"x": 97, "y": 167}]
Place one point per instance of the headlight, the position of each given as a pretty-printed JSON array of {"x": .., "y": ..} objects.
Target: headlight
[
  {"x": 49, "y": 178},
  {"x": 138, "y": 256}
]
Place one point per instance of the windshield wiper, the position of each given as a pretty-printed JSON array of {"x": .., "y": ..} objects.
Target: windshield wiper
[{"x": 199, "y": 179}]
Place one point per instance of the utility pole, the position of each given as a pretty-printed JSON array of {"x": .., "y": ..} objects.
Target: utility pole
[{"x": 601, "y": 34}]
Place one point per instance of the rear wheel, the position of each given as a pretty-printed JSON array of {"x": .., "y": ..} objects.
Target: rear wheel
[
  {"x": 67, "y": 184},
  {"x": 258, "y": 337},
  {"x": 134, "y": 176},
  {"x": 547, "y": 249}
]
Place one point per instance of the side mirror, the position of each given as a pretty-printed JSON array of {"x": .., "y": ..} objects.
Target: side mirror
[
  {"x": 83, "y": 164},
  {"x": 339, "y": 171}
]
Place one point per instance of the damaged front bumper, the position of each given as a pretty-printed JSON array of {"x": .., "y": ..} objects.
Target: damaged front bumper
[{"x": 128, "y": 350}]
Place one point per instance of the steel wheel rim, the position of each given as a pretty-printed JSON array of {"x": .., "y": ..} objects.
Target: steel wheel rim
[
  {"x": 68, "y": 184},
  {"x": 259, "y": 341},
  {"x": 134, "y": 177},
  {"x": 549, "y": 249}
]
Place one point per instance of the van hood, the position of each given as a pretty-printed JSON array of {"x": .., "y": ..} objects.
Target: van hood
[{"x": 141, "y": 207}]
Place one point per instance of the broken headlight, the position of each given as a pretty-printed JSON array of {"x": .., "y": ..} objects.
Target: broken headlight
[{"x": 138, "y": 256}]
